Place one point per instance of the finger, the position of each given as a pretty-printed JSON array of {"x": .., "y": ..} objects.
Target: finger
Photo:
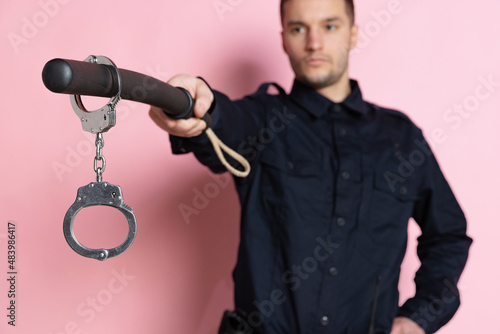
[
  {"x": 197, "y": 128},
  {"x": 183, "y": 127},
  {"x": 160, "y": 119},
  {"x": 203, "y": 98},
  {"x": 183, "y": 80},
  {"x": 188, "y": 127},
  {"x": 198, "y": 89},
  {"x": 153, "y": 114},
  {"x": 396, "y": 328}
]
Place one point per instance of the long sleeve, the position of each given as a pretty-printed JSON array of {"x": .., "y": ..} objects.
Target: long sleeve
[
  {"x": 442, "y": 249},
  {"x": 236, "y": 123}
]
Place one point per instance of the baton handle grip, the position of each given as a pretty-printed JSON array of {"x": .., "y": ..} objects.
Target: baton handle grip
[{"x": 83, "y": 78}]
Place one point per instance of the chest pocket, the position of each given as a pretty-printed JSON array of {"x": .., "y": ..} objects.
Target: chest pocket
[
  {"x": 391, "y": 206},
  {"x": 296, "y": 185}
]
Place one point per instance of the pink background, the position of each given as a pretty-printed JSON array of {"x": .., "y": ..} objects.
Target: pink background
[{"x": 424, "y": 58}]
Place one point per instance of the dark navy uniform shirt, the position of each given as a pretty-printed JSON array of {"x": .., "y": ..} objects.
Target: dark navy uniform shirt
[{"x": 325, "y": 212}]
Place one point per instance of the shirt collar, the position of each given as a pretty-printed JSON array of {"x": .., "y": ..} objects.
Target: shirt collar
[{"x": 317, "y": 104}]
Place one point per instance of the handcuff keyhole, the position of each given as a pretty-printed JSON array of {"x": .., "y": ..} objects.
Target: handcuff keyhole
[{"x": 113, "y": 194}]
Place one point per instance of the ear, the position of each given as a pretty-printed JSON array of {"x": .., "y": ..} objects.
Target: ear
[{"x": 354, "y": 36}]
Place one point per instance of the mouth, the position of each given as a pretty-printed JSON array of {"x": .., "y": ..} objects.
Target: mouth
[{"x": 315, "y": 61}]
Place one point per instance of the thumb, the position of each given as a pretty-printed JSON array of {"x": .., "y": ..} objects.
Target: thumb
[{"x": 203, "y": 97}]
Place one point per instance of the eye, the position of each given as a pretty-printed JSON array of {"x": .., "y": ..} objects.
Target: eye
[
  {"x": 331, "y": 27},
  {"x": 298, "y": 30}
]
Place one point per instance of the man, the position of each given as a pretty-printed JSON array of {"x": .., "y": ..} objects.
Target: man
[{"x": 334, "y": 181}]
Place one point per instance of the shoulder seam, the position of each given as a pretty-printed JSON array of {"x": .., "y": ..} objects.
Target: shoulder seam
[{"x": 391, "y": 112}]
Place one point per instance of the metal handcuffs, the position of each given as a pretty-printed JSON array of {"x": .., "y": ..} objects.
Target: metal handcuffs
[{"x": 98, "y": 193}]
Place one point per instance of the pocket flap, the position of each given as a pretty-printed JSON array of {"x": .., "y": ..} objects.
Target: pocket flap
[{"x": 392, "y": 183}]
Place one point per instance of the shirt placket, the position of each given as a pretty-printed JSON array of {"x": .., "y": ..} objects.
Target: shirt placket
[{"x": 344, "y": 214}]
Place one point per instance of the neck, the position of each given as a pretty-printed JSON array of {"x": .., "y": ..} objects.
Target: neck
[{"x": 337, "y": 92}]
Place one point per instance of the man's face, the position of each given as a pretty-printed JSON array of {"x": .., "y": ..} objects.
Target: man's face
[{"x": 317, "y": 37}]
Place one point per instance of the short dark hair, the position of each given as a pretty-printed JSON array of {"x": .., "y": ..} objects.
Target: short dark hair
[{"x": 349, "y": 7}]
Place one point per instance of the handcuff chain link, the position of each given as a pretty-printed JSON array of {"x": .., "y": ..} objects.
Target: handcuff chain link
[{"x": 99, "y": 144}]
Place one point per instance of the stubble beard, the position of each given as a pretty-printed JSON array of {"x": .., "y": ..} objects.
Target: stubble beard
[
  {"x": 336, "y": 72},
  {"x": 320, "y": 81}
]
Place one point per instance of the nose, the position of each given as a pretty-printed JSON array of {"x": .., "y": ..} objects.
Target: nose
[{"x": 314, "y": 40}]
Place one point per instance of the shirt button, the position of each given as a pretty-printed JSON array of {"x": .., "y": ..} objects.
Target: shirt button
[
  {"x": 403, "y": 190},
  {"x": 290, "y": 165},
  {"x": 334, "y": 271},
  {"x": 337, "y": 108},
  {"x": 324, "y": 320},
  {"x": 342, "y": 132},
  {"x": 340, "y": 221},
  {"x": 346, "y": 175}
]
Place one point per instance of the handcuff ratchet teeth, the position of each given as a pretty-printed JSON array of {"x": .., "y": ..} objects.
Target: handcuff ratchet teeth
[{"x": 99, "y": 193}]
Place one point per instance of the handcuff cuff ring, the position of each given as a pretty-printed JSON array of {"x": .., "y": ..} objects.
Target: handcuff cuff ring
[
  {"x": 94, "y": 194},
  {"x": 104, "y": 118}
]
